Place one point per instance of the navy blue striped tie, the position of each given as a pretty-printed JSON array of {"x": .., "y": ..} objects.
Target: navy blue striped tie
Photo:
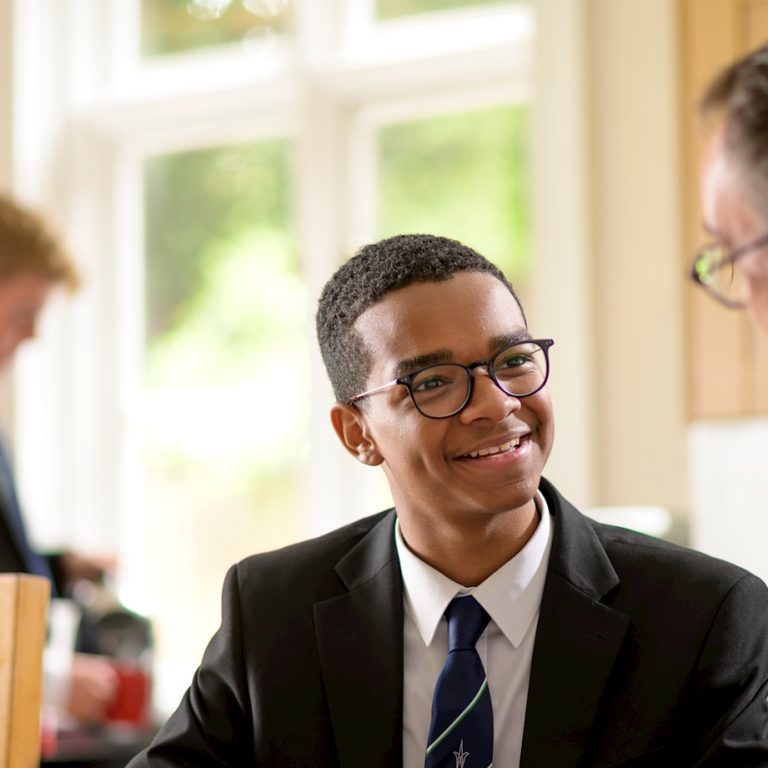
[{"x": 461, "y": 733}]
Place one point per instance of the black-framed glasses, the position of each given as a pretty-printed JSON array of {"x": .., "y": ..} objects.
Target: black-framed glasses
[
  {"x": 444, "y": 389},
  {"x": 718, "y": 270}
]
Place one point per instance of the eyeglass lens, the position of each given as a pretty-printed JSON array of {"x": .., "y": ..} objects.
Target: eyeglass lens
[
  {"x": 721, "y": 276},
  {"x": 441, "y": 390}
]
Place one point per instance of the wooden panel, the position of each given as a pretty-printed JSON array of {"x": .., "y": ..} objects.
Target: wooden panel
[
  {"x": 727, "y": 359},
  {"x": 756, "y": 31},
  {"x": 24, "y": 611}
]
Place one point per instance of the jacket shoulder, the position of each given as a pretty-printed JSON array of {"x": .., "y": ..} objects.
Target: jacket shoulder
[
  {"x": 660, "y": 559},
  {"x": 307, "y": 568},
  {"x": 642, "y": 562}
]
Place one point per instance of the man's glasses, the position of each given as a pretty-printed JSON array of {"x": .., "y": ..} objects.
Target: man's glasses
[
  {"x": 442, "y": 390},
  {"x": 719, "y": 271}
]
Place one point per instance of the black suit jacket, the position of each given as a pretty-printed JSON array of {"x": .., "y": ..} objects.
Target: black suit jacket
[
  {"x": 646, "y": 654},
  {"x": 14, "y": 546},
  {"x": 12, "y": 559}
]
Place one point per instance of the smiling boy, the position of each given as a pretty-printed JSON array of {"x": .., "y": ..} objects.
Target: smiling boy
[
  {"x": 484, "y": 619},
  {"x": 467, "y": 483}
]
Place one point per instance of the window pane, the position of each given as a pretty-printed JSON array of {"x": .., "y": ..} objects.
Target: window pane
[
  {"x": 389, "y": 9},
  {"x": 463, "y": 176},
  {"x": 225, "y": 395},
  {"x": 172, "y": 26}
]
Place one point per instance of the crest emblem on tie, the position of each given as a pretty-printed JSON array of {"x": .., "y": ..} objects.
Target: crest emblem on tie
[{"x": 461, "y": 755}]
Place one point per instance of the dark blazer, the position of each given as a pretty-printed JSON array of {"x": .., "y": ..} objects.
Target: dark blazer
[
  {"x": 14, "y": 547},
  {"x": 12, "y": 558},
  {"x": 16, "y": 554},
  {"x": 646, "y": 654}
]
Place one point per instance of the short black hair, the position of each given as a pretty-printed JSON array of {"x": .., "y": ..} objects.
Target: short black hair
[
  {"x": 740, "y": 93},
  {"x": 373, "y": 272}
]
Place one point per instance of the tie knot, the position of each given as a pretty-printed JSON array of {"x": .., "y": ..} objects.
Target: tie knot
[{"x": 466, "y": 621}]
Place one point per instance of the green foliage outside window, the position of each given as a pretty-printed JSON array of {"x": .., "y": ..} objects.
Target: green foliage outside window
[
  {"x": 225, "y": 299},
  {"x": 218, "y": 223},
  {"x": 463, "y": 176}
]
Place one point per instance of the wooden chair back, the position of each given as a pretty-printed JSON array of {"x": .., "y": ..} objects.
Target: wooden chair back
[{"x": 23, "y": 618}]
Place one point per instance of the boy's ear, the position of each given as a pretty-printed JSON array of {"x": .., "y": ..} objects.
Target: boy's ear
[{"x": 349, "y": 424}]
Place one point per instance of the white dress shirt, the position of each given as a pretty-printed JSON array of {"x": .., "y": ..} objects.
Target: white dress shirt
[{"x": 511, "y": 596}]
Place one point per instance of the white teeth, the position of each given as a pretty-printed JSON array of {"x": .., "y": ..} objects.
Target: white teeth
[{"x": 503, "y": 448}]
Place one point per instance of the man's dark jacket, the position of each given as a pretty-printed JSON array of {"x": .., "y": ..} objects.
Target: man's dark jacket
[
  {"x": 646, "y": 654},
  {"x": 14, "y": 545}
]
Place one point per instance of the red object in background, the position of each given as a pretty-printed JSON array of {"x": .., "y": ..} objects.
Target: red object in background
[
  {"x": 48, "y": 732},
  {"x": 132, "y": 703}
]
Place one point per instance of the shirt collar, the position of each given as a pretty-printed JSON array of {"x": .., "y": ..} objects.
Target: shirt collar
[{"x": 511, "y": 595}]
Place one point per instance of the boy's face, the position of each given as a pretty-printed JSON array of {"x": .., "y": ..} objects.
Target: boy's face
[{"x": 428, "y": 462}]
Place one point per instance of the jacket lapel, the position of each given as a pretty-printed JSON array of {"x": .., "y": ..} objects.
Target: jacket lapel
[
  {"x": 577, "y": 640},
  {"x": 360, "y": 641}
]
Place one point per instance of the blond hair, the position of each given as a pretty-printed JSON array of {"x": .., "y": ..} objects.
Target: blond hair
[{"x": 29, "y": 245}]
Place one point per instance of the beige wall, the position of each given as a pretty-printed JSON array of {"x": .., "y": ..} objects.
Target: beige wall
[
  {"x": 610, "y": 281},
  {"x": 558, "y": 301},
  {"x": 638, "y": 277}
]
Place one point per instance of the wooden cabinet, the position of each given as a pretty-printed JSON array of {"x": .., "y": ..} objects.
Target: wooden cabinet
[
  {"x": 24, "y": 611},
  {"x": 727, "y": 359}
]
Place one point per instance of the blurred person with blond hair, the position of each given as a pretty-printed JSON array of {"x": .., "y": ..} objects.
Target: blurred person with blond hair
[{"x": 33, "y": 264}]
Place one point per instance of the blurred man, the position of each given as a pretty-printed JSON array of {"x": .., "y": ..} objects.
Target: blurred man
[
  {"x": 484, "y": 619},
  {"x": 32, "y": 265},
  {"x": 734, "y": 188}
]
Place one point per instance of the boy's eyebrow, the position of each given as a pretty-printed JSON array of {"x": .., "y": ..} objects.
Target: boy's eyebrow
[
  {"x": 508, "y": 339},
  {"x": 410, "y": 364}
]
